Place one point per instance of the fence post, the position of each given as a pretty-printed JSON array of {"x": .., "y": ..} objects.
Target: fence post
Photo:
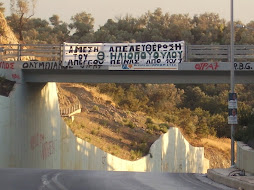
[
  {"x": 229, "y": 53},
  {"x": 186, "y": 53},
  {"x": 61, "y": 53},
  {"x": 19, "y": 52}
]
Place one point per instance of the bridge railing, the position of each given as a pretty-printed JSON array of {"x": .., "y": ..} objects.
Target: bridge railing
[
  {"x": 23, "y": 52},
  {"x": 219, "y": 52},
  {"x": 67, "y": 111}
]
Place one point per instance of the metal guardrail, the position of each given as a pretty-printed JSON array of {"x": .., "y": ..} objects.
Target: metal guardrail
[
  {"x": 24, "y": 52},
  {"x": 218, "y": 52},
  {"x": 67, "y": 111}
]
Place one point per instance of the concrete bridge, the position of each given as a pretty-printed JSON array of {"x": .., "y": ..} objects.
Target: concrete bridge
[
  {"x": 201, "y": 64},
  {"x": 32, "y": 133}
]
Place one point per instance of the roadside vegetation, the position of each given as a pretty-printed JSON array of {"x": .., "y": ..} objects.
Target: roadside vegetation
[
  {"x": 125, "y": 119},
  {"x": 6, "y": 86}
]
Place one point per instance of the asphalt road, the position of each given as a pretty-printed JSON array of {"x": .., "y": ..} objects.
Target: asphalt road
[{"x": 37, "y": 179}]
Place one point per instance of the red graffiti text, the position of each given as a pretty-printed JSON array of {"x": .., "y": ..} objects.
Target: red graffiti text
[
  {"x": 15, "y": 76},
  {"x": 5, "y": 65},
  {"x": 48, "y": 148},
  {"x": 206, "y": 66},
  {"x": 36, "y": 140}
]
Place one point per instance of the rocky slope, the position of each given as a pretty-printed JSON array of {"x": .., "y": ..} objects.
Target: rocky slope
[
  {"x": 6, "y": 34},
  {"x": 123, "y": 133}
]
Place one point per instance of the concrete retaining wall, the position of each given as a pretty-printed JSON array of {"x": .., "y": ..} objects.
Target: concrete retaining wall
[
  {"x": 245, "y": 157},
  {"x": 170, "y": 153},
  {"x": 34, "y": 135},
  {"x": 4, "y": 129}
]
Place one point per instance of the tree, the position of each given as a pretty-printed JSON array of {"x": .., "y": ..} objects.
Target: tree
[
  {"x": 60, "y": 30},
  {"x": 22, "y": 10},
  {"x": 208, "y": 29},
  {"x": 155, "y": 25},
  {"x": 82, "y": 24},
  {"x": 244, "y": 35},
  {"x": 179, "y": 28},
  {"x": 55, "y": 20},
  {"x": 124, "y": 29},
  {"x": 38, "y": 31}
]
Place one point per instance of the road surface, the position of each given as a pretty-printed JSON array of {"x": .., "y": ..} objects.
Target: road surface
[{"x": 38, "y": 179}]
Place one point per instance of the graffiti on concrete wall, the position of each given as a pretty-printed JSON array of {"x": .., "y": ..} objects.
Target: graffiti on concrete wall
[
  {"x": 244, "y": 66},
  {"x": 48, "y": 148},
  {"x": 53, "y": 65},
  {"x": 39, "y": 141},
  {"x": 9, "y": 70},
  {"x": 15, "y": 76},
  {"x": 6, "y": 65},
  {"x": 207, "y": 66}
]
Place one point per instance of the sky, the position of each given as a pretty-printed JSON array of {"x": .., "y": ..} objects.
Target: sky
[{"x": 102, "y": 10}]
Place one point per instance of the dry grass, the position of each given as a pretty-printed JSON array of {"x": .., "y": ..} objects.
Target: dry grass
[
  {"x": 124, "y": 133},
  {"x": 111, "y": 129},
  {"x": 222, "y": 144}
]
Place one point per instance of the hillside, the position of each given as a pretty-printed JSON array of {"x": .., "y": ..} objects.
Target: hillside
[
  {"x": 6, "y": 37},
  {"x": 6, "y": 34},
  {"x": 126, "y": 134}
]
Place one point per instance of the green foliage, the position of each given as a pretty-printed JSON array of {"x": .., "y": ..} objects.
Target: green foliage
[
  {"x": 135, "y": 154},
  {"x": 153, "y": 127},
  {"x": 130, "y": 124},
  {"x": 96, "y": 108},
  {"x": 245, "y": 133},
  {"x": 6, "y": 86},
  {"x": 149, "y": 121},
  {"x": 104, "y": 122},
  {"x": 22, "y": 11},
  {"x": 68, "y": 121},
  {"x": 82, "y": 24},
  {"x": 209, "y": 29},
  {"x": 164, "y": 127},
  {"x": 200, "y": 110},
  {"x": 95, "y": 132},
  {"x": 205, "y": 28}
]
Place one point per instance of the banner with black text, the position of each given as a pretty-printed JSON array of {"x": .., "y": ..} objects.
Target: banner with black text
[{"x": 125, "y": 56}]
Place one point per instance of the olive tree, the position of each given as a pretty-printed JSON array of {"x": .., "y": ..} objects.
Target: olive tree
[{"x": 21, "y": 11}]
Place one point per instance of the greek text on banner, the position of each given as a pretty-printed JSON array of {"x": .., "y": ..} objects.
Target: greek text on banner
[{"x": 147, "y": 56}]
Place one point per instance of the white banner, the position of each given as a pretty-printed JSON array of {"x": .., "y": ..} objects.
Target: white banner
[{"x": 125, "y": 56}]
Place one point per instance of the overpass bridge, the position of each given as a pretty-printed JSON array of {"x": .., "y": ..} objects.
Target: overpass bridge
[
  {"x": 32, "y": 133},
  {"x": 201, "y": 64}
]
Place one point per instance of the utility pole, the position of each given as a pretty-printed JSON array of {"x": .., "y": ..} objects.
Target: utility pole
[{"x": 232, "y": 80}]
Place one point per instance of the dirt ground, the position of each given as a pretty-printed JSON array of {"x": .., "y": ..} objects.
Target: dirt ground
[{"x": 124, "y": 133}]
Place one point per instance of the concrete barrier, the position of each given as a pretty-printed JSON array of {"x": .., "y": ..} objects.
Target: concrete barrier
[
  {"x": 245, "y": 157},
  {"x": 35, "y": 136},
  {"x": 170, "y": 153},
  {"x": 5, "y": 116}
]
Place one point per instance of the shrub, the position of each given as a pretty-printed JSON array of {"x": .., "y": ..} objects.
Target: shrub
[
  {"x": 104, "y": 122},
  {"x": 149, "y": 121},
  {"x": 96, "y": 108},
  {"x": 95, "y": 132},
  {"x": 135, "y": 154},
  {"x": 246, "y": 134},
  {"x": 153, "y": 127},
  {"x": 164, "y": 127},
  {"x": 130, "y": 124},
  {"x": 6, "y": 86}
]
